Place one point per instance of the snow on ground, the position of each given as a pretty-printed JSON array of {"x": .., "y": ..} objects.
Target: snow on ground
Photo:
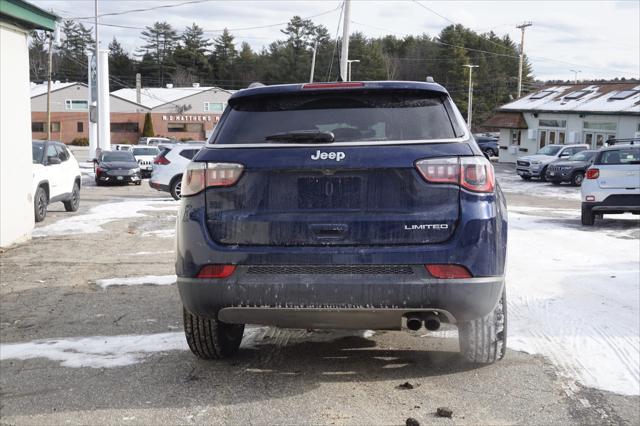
[
  {"x": 104, "y": 213},
  {"x": 143, "y": 280},
  {"x": 161, "y": 233},
  {"x": 510, "y": 182},
  {"x": 119, "y": 351},
  {"x": 574, "y": 296}
]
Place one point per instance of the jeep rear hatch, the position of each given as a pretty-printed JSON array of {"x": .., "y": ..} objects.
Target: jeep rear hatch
[{"x": 361, "y": 186}]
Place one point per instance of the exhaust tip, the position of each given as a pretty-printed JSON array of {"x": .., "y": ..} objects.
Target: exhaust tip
[
  {"x": 414, "y": 323},
  {"x": 432, "y": 322}
]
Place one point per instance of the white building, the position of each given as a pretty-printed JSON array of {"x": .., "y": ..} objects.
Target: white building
[
  {"x": 17, "y": 18},
  {"x": 564, "y": 114}
]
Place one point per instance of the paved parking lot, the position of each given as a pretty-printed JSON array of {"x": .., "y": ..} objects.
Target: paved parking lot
[{"x": 84, "y": 342}]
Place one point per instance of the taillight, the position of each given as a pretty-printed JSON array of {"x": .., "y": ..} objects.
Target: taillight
[
  {"x": 98, "y": 170},
  {"x": 199, "y": 176},
  {"x": 162, "y": 160},
  {"x": 448, "y": 271},
  {"x": 338, "y": 85},
  {"x": 593, "y": 173},
  {"x": 473, "y": 173},
  {"x": 216, "y": 271}
]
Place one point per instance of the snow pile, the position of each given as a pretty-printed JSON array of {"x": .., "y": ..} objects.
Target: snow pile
[
  {"x": 574, "y": 297},
  {"x": 145, "y": 280},
  {"x": 510, "y": 182},
  {"x": 104, "y": 213},
  {"x": 161, "y": 233},
  {"x": 96, "y": 351}
]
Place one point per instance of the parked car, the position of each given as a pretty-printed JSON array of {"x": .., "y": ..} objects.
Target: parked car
[
  {"x": 122, "y": 147},
  {"x": 536, "y": 165},
  {"x": 342, "y": 205},
  {"x": 56, "y": 177},
  {"x": 154, "y": 140},
  {"x": 488, "y": 145},
  {"x": 144, "y": 156},
  {"x": 117, "y": 167},
  {"x": 612, "y": 183},
  {"x": 571, "y": 170},
  {"x": 169, "y": 166}
]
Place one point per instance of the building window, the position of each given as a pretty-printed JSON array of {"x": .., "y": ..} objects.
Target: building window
[
  {"x": 599, "y": 126},
  {"x": 37, "y": 126},
  {"x": 185, "y": 127},
  {"x": 55, "y": 126},
  {"x": 124, "y": 127},
  {"x": 515, "y": 137},
  {"x": 553, "y": 123},
  {"x": 76, "y": 104},
  {"x": 213, "y": 106},
  {"x": 80, "y": 126}
]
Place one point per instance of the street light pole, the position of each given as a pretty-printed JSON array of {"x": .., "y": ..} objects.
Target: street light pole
[
  {"x": 520, "y": 66},
  {"x": 49, "y": 88},
  {"x": 470, "y": 104},
  {"x": 575, "y": 75}
]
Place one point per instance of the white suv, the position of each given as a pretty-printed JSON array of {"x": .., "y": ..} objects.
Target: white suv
[
  {"x": 169, "y": 166},
  {"x": 612, "y": 183},
  {"x": 145, "y": 156},
  {"x": 56, "y": 177}
]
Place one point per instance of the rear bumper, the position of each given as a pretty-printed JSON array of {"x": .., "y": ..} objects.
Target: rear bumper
[
  {"x": 616, "y": 203},
  {"x": 118, "y": 179},
  {"x": 158, "y": 186},
  {"x": 337, "y": 301}
]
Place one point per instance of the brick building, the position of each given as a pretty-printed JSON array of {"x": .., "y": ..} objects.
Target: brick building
[{"x": 180, "y": 113}]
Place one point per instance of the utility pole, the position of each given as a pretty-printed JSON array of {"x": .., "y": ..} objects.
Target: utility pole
[
  {"x": 575, "y": 75},
  {"x": 95, "y": 53},
  {"x": 313, "y": 62},
  {"x": 49, "y": 88},
  {"x": 470, "y": 104},
  {"x": 349, "y": 62},
  {"x": 522, "y": 28},
  {"x": 345, "y": 41},
  {"x": 138, "y": 88}
]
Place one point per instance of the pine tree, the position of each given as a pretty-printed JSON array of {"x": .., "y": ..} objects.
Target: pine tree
[
  {"x": 38, "y": 56},
  {"x": 147, "y": 130},
  {"x": 223, "y": 57},
  {"x": 76, "y": 43},
  {"x": 121, "y": 67},
  {"x": 191, "y": 53},
  {"x": 160, "y": 42}
]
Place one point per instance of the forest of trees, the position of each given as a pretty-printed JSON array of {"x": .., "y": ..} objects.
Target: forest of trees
[{"x": 166, "y": 56}]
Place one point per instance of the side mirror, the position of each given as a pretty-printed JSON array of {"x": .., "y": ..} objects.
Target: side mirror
[
  {"x": 53, "y": 160},
  {"x": 565, "y": 155}
]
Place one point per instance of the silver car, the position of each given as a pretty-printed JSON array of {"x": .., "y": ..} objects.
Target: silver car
[
  {"x": 536, "y": 165},
  {"x": 612, "y": 183}
]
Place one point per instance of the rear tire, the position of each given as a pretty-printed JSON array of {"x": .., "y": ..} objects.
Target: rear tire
[
  {"x": 484, "y": 341},
  {"x": 73, "y": 204},
  {"x": 210, "y": 338},
  {"x": 587, "y": 217},
  {"x": 543, "y": 175},
  {"x": 176, "y": 188},
  {"x": 40, "y": 203},
  {"x": 138, "y": 183},
  {"x": 555, "y": 182}
]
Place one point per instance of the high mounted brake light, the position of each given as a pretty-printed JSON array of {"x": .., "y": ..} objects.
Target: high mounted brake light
[
  {"x": 343, "y": 85},
  {"x": 199, "y": 176},
  {"x": 472, "y": 173}
]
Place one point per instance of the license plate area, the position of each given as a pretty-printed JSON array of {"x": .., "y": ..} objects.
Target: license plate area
[{"x": 329, "y": 192}]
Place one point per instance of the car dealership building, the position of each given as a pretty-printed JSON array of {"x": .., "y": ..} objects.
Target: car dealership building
[{"x": 176, "y": 112}]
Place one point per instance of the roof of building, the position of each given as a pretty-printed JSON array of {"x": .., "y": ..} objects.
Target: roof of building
[
  {"x": 41, "y": 88},
  {"x": 506, "y": 120},
  {"x": 27, "y": 15},
  {"x": 153, "y": 97},
  {"x": 591, "y": 98}
]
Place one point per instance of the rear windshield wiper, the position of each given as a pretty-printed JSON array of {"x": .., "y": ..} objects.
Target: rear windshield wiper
[{"x": 302, "y": 136}]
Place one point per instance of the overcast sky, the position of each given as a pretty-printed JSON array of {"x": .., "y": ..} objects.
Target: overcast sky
[{"x": 599, "y": 38}]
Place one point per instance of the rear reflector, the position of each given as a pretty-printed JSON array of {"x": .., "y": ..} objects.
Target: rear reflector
[
  {"x": 593, "y": 173},
  {"x": 345, "y": 85},
  {"x": 199, "y": 176},
  {"x": 216, "y": 271},
  {"x": 473, "y": 173},
  {"x": 161, "y": 159},
  {"x": 448, "y": 271}
]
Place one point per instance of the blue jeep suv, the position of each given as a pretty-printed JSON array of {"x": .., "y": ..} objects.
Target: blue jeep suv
[{"x": 342, "y": 205}]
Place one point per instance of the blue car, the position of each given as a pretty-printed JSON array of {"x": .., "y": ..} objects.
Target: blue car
[{"x": 342, "y": 205}]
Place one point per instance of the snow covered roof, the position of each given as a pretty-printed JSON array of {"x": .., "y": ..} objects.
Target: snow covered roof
[
  {"x": 592, "y": 98},
  {"x": 152, "y": 97},
  {"x": 41, "y": 89}
]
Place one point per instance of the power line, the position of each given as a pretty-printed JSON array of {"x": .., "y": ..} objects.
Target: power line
[
  {"x": 146, "y": 9},
  {"x": 335, "y": 46}
]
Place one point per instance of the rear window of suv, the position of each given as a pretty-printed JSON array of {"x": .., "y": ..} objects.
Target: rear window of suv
[
  {"x": 353, "y": 117},
  {"x": 619, "y": 156}
]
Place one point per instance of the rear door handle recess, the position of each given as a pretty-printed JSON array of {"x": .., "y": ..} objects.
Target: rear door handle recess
[{"x": 329, "y": 231}]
